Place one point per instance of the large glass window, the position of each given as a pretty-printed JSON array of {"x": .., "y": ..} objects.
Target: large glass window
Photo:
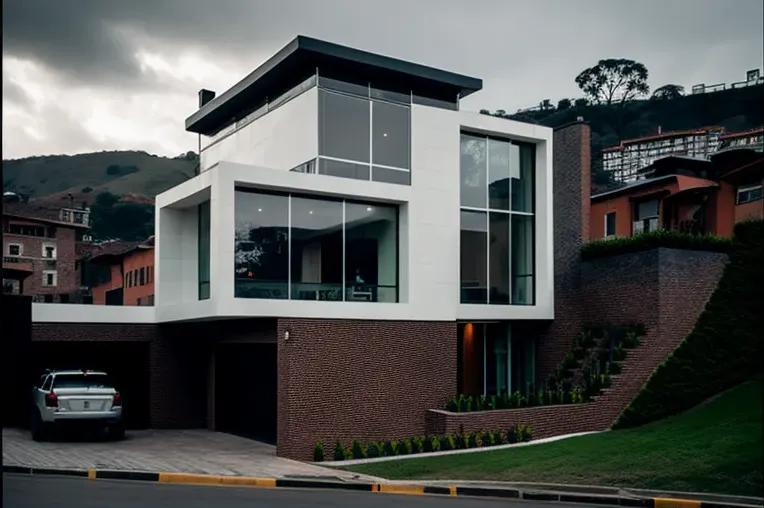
[
  {"x": 473, "y": 171},
  {"x": 204, "y": 251},
  {"x": 316, "y": 249},
  {"x": 371, "y": 252},
  {"x": 261, "y": 247},
  {"x": 361, "y": 126},
  {"x": 390, "y": 134},
  {"x": 345, "y": 126},
  {"x": 497, "y": 238},
  {"x": 474, "y": 258},
  {"x": 307, "y": 248}
]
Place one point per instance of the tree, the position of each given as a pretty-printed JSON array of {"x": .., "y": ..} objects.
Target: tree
[
  {"x": 581, "y": 103},
  {"x": 668, "y": 92},
  {"x": 564, "y": 104},
  {"x": 614, "y": 80}
]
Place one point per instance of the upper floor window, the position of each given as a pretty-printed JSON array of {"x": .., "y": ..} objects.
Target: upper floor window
[
  {"x": 48, "y": 251},
  {"x": 646, "y": 215},
  {"x": 364, "y": 132},
  {"x": 25, "y": 230},
  {"x": 15, "y": 249},
  {"x": 49, "y": 278},
  {"x": 749, "y": 193},
  {"x": 497, "y": 221},
  {"x": 142, "y": 279},
  {"x": 302, "y": 248}
]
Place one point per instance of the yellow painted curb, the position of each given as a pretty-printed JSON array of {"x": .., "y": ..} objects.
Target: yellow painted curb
[
  {"x": 243, "y": 480},
  {"x": 91, "y": 474},
  {"x": 451, "y": 491},
  {"x": 416, "y": 490},
  {"x": 198, "y": 479},
  {"x": 675, "y": 503}
]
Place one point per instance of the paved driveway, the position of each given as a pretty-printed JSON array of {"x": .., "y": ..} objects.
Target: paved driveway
[{"x": 183, "y": 451}]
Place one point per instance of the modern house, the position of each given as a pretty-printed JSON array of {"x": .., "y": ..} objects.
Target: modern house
[
  {"x": 355, "y": 250},
  {"x": 39, "y": 250},
  {"x": 690, "y": 195}
]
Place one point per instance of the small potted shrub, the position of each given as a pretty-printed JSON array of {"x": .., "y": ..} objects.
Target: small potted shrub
[
  {"x": 356, "y": 450},
  {"x": 372, "y": 451},
  {"x": 339, "y": 451},
  {"x": 404, "y": 447},
  {"x": 318, "y": 452},
  {"x": 473, "y": 440},
  {"x": 512, "y": 435}
]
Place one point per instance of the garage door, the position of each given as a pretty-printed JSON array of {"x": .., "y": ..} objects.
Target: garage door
[
  {"x": 126, "y": 362},
  {"x": 245, "y": 390}
]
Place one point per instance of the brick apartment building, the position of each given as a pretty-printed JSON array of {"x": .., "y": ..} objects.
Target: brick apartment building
[
  {"x": 39, "y": 251},
  {"x": 684, "y": 194}
]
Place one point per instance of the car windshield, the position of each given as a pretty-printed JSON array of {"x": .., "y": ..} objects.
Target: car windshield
[{"x": 82, "y": 381}]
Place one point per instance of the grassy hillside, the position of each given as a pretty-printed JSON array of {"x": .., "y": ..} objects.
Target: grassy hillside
[
  {"x": 715, "y": 447},
  {"x": 85, "y": 175},
  {"x": 725, "y": 347}
]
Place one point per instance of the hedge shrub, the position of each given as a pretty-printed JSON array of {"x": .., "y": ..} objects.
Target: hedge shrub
[
  {"x": 424, "y": 444},
  {"x": 660, "y": 238},
  {"x": 723, "y": 350}
]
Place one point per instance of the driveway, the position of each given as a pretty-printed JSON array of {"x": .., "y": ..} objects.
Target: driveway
[{"x": 181, "y": 451}]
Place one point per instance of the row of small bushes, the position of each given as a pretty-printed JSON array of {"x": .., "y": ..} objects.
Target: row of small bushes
[
  {"x": 531, "y": 398},
  {"x": 723, "y": 350},
  {"x": 424, "y": 444},
  {"x": 653, "y": 239}
]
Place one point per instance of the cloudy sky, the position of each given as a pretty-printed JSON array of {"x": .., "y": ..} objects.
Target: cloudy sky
[{"x": 88, "y": 75}]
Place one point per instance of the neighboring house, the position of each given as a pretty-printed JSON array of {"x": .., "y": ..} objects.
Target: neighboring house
[
  {"x": 695, "y": 196},
  {"x": 122, "y": 273},
  {"x": 625, "y": 160},
  {"x": 39, "y": 251}
]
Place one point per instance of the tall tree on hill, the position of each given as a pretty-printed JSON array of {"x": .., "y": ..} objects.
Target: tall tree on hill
[
  {"x": 668, "y": 92},
  {"x": 614, "y": 80}
]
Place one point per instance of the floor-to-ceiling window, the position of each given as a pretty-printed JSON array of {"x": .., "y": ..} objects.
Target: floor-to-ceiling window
[
  {"x": 497, "y": 221},
  {"x": 492, "y": 360},
  {"x": 306, "y": 248}
]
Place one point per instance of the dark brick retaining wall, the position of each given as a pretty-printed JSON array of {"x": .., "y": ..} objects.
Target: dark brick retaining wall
[
  {"x": 665, "y": 289},
  {"x": 367, "y": 380}
]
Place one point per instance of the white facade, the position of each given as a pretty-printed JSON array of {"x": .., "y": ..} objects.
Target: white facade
[{"x": 260, "y": 155}]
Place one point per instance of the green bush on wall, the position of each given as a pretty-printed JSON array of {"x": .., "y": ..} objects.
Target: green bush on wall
[
  {"x": 653, "y": 239},
  {"x": 726, "y": 346}
]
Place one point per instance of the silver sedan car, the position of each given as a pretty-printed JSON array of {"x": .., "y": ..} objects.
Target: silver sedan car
[{"x": 76, "y": 398}]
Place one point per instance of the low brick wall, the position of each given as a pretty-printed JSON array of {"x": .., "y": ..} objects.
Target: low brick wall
[{"x": 546, "y": 421}]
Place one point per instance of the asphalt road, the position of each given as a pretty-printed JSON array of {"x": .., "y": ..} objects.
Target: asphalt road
[{"x": 48, "y": 492}]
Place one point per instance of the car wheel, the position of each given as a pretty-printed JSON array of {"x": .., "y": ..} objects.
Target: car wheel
[
  {"x": 37, "y": 427},
  {"x": 117, "y": 432}
]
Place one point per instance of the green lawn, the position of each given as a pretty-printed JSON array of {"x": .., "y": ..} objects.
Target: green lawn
[{"x": 715, "y": 447}]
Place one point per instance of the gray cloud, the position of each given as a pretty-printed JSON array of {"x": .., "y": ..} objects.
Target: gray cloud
[{"x": 524, "y": 51}]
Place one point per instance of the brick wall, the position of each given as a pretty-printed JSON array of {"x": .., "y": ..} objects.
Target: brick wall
[
  {"x": 64, "y": 264},
  {"x": 545, "y": 421},
  {"x": 664, "y": 289},
  {"x": 572, "y": 180},
  {"x": 367, "y": 380}
]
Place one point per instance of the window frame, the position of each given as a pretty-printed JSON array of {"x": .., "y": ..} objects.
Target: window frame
[
  {"x": 45, "y": 274},
  {"x": 46, "y": 246},
  {"x": 748, "y": 188},
  {"x": 605, "y": 228},
  {"x": 20, "y": 247}
]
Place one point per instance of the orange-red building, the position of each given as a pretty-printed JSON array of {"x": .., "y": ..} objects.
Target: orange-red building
[
  {"x": 123, "y": 273},
  {"x": 685, "y": 194}
]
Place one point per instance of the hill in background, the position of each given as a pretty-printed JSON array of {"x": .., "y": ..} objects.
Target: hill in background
[{"x": 137, "y": 175}]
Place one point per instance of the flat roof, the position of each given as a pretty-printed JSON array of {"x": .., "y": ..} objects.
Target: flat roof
[{"x": 304, "y": 54}]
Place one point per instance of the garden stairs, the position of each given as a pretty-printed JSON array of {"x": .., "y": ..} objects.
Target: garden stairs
[{"x": 672, "y": 303}]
